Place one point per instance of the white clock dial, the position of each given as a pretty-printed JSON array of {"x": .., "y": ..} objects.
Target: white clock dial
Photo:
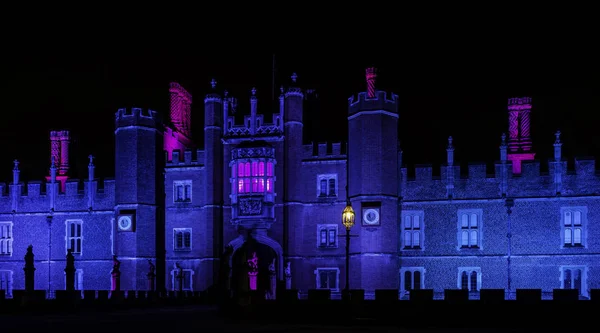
[
  {"x": 371, "y": 216},
  {"x": 124, "y": 222}
]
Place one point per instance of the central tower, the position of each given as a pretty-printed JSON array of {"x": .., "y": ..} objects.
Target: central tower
[{"x": 373, "y": 187}]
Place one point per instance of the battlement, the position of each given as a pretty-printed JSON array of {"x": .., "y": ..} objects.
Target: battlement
[
  {"x": 479, "y": 181},
  {"x": 189, "y": 157},
  {"x": 382, "y": 101},
  {"x": 137, "y": 117},
  {"x": 519, "y": 103},
  {"x": 323, "y": 151},
  {"x": 34, "y": 196}
]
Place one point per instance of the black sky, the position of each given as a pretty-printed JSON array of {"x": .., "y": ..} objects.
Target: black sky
[{"x": 442, "y": 92}]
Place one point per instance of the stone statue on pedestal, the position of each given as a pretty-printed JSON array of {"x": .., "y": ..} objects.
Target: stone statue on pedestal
[
  {"x": 70, "y": 271},
  {"x": 29, "y": 269},
  {"x": 116, "y": 274},
  {"x": 288, "y": 275},
  {"x": 151, "y": 275},
  {"x": 180, "y": 276}
]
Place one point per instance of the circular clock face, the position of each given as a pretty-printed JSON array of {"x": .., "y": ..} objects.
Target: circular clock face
[
  {"x": 371, "y": 216},
  {"x": 124, "y": 222}
]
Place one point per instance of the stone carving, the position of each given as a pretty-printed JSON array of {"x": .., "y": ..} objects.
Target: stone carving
[
  {"x": 249, "y": 206},
  {"x": 253, "y": 264},
  {"x": 272, "y": 267},
  {"x": 288, "y": 269},
  {"x": 255, "y": 152}
]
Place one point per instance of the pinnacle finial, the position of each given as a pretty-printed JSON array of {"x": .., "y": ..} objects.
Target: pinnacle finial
[
  {"x": 281, "y": 89},
  {"x": 16, "y": 164},
  {"x": 213, "y": 83},
  {"x": 91, "y": 160},
  {"x": 53, "y": 164},
  {"x": 557, "y": 135},
  {"x": 450, "y": 142},
  {"x": 226, "y": 93},
  {"x": 503, "y": 138},
  {"x": 294, "y": 77},
  {"x": 253, "y": 91}
]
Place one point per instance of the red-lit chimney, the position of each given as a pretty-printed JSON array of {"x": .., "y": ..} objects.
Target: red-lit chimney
[{"x": 371, "y": 74}]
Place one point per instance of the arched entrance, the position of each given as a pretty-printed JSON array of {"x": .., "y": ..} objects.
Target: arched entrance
[{"x": 256, "y": 264}]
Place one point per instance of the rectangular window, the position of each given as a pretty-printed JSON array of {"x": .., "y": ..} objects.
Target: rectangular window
[
  {"x": 327, "y": 235},
  {"x": 574, "y": 277},
  {"x": 411, "y": 278},
  {"x": 573, "y": 226},
  {"x": 183, "y": 277},
  {"x": 412, "y": 230},
  {"x": 74, "y": 236},
  {"x": 328, "y": 278},
  {"x": 182, "y": 191},
  {"x": 6, "y": 238},
  {"x": 6, "y": 282},
  {"x": 182, "y": 239},
  {"x": 327, "y": 185},
  {"x": 469, "y": 228},
  {"x": 469, "y": 278}
]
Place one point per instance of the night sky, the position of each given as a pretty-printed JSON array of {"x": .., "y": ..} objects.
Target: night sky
[{"x": 458, "y": 93}]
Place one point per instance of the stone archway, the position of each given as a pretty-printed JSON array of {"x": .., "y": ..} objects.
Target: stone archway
[{"x": 267, "y": 251}]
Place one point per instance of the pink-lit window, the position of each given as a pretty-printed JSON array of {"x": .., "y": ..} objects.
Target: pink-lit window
[{"x": 253, "y": 178}]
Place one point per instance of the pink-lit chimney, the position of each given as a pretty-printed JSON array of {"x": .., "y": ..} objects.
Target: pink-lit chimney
[
  {"x": 59, "y": 156},
  {"x": 371, "y": 75},
  {"x": 181, "y": 107},
  {"x": 59, "y": 150},
  {"x": 519, "y": 134}
]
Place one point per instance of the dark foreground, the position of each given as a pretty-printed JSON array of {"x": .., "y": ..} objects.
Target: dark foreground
[{"x": 301, "y": 317}]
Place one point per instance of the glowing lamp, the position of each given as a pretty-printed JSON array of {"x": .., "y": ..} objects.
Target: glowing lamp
[{"x": 348, "y": 216}]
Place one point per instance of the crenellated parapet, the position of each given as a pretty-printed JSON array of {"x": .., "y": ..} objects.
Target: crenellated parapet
[
  {"x": 137, "y": 117},
  {"x": 381, "y": 102},
  {"x": 482, "y": 181},
  {"x": 323, "y": 151},
  {"x": 188, "y": 157},
  {"x": 35, "y": 196}
]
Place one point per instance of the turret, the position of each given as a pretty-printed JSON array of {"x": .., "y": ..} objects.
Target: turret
[
  {"x": 293, "y": 128},
  {"x": 139, "y": 195},
  {"x": 373, "y": 186},
  {"x": 558, "y": 164},
  {"x": 213, "y": 170}
]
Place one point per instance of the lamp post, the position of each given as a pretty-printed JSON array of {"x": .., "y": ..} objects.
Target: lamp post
[{"x": 348, "y": 222}]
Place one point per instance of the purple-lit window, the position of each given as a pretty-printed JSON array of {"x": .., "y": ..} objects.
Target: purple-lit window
[
  {"x": 327, "y": 235},
  {"x": 74, "y": 236},
  {"x": 469, "y": 233},
  {"x": 252, "y": 178},
  {"x": 412, "y": 231},
  {"x": 573, "y": 228},
  {"x": 182, "y": 239},
  {"x": 6, "y": 238}
]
